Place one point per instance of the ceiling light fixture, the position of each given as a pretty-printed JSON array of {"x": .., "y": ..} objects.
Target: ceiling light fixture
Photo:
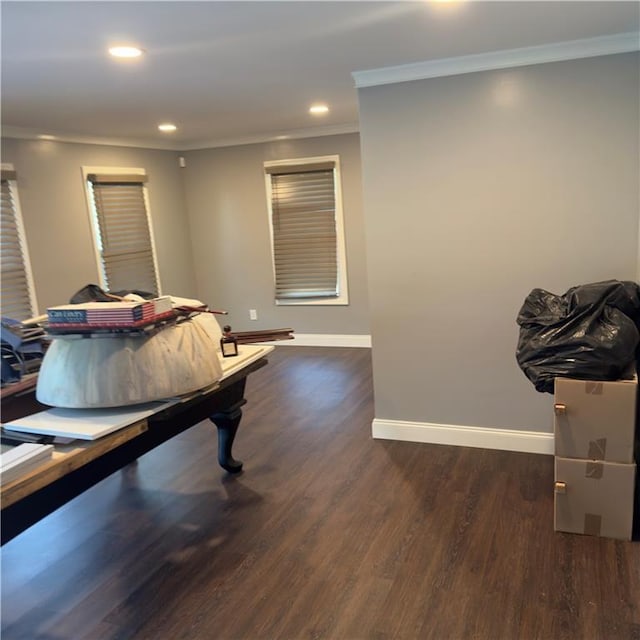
[
  {"x": 167, "y": 127},
  {"x": 447, "y": 5},
  {"x": 125, "y": 52},
  {"x": 319, "y": 109},
  {"x": 46, "y": 136}
]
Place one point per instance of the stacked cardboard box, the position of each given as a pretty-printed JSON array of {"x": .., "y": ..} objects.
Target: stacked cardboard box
[{"x": 595, "y": 470}]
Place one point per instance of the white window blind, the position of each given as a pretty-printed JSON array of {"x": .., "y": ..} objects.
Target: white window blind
[
  {"x": 17, "y": 300},
  {"x": 124, "y": 236},
  {"x": 303, "y": 217}
]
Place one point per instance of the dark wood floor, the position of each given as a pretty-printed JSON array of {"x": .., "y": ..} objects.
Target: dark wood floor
[{"x": 327, "y": 534}]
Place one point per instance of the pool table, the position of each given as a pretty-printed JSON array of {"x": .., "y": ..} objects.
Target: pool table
[{"x": 77, "y": 466}]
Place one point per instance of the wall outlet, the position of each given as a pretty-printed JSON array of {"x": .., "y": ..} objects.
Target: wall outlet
[{"x": 253, "y": 314}]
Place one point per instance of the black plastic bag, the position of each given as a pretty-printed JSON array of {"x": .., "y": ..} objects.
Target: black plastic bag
[
  {"x": 93, "y": 293},
  {"x": 589, "y": 333},
  {"x": 90, "y": 293}
]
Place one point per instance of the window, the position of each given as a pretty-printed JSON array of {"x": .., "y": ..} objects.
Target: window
[
  {"x": 18, "y": 298},
  {"x": 307, "y": 235},
  {"x": 122, "y": 229}
]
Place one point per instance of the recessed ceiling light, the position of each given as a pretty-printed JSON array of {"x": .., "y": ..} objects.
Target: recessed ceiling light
[
  {"x": 318, "y": 109},
  {"x": 46, "y": 136},
  {"x": 447, "y": 5},
  {"x": 167, "y": 127},
  {"x": 125, "y": 52}
]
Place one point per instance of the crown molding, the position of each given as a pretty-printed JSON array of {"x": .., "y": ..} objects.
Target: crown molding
[
  {"x": 316, "y": 132},
  {"x": 540, "y": 54},
  {"x": 30, "y": 134},
  {"x": 23, "y": 133}
]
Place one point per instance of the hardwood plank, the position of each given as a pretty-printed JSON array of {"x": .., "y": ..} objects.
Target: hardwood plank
[{"x": 327, "y": 534}]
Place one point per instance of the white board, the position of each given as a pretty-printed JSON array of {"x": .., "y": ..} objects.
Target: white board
[{"x": 84, "y": 424}]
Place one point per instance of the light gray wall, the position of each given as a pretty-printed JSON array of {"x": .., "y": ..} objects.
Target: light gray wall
[
  {"x": 57, "y": 225},
  {"x": 227, "y": 206},
  {"x": 478, "y": 188},
  {"x": 224, "y": 259}
]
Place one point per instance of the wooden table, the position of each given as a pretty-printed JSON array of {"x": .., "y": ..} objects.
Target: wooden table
[{"x": 80, "y": 465}]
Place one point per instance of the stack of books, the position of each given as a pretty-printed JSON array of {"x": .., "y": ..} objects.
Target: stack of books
[
  {"x": 91, "y": 316},
  {"x": 23, "y": 348}
]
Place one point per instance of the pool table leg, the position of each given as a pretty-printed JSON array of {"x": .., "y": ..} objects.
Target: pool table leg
[{"x": 227, "y": 422}]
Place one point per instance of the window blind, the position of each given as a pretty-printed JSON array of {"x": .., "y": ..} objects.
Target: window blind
[
  {"x": 304, "y": 232},
  {"x": 124, "y": 235},
  {"x": 16, "y": 298}
]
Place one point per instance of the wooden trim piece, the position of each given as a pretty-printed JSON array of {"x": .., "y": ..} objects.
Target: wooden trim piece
[{"x": 327, "y": 340}]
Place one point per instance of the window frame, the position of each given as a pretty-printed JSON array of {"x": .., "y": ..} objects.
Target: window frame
[
  {"x": 93, "y": 217},
  {"x": 341, "y": 253},
  {"x": 22, "y": 239}
]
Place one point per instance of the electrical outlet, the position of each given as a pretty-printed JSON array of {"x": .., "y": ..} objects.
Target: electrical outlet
[{"x": 253, "y": 314}]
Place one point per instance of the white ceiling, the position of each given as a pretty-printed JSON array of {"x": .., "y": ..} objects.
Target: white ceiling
[{"x": 230, "y": 72}]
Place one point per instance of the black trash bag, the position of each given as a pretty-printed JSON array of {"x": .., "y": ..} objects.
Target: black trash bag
[
  {"x": 147, "y": 295},
  {"x": 590, "y": 333},
  {"x": 90, "y": 293},
  {"x": 93, "y": 293}
]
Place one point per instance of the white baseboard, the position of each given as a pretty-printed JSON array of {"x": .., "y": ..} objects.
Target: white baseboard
[
  {"x": 324, "y": 340},
  {"x": 461, "y": 436}
]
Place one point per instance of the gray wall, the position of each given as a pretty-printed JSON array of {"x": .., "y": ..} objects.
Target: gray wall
[
  {"x": 224, "y": 259},
  {"x": 478, "y": 188},
  {"x": 227, "y": 206},
  {"x": 57, "y": 225}
]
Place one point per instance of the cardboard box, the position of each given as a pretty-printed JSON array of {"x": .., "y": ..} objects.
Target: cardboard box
[
  {"x": 594, "y": 498},
  {"x": 595, "y": 420}
]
